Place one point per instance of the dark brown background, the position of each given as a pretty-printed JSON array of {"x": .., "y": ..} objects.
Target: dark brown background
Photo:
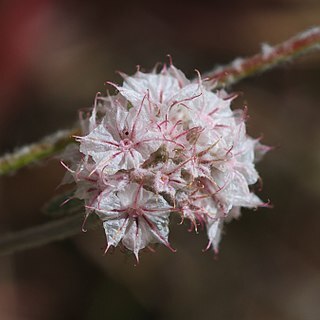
[{"x": 55, "y": 55}]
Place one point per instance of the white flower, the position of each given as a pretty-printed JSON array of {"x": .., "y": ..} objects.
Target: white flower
[
  {"x": 122, "y": 141},
  {"x": 167, "y": 178},
  {"x": 161, "y": 88},
  {"x": 134, "y": 216},
  {"x": 164, "y": 144}
]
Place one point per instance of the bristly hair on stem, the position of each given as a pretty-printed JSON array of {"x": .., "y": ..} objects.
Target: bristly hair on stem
[
  {"x": 43, "y": 149},
  {"x": 270, "y": 57}
]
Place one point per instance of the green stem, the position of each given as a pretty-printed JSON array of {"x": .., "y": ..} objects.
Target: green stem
[
  {"x": 41, "y": 235},
  {"x": 43, "y": 149},
  {"x": 270, "y": 57}
]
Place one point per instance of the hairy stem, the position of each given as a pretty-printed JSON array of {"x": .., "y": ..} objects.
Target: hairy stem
[
  {"x": 43, "y": 149},
  {"x": 41, "y": 235},
  {"x": 222, "y": 76},
  {"x": 270, "y": 57}
]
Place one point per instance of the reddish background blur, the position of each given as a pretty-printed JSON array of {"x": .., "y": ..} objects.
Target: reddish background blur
[{"x": 56, "y": 55}]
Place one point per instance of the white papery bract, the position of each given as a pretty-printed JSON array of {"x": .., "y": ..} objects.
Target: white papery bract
[
  {"x": 135, "y": 216},
  {"x": 163, "y": 145}
]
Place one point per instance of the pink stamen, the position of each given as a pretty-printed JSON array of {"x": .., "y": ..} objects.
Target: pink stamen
[
  {"x": 133, "y": 128},
  {"x": 97, "y": 140},
  {"x": 66, "y": 167},
  {"x": 155, "y": 229}
]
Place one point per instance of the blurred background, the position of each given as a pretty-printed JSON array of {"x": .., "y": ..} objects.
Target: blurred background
[{"x": 55, "y": 55}]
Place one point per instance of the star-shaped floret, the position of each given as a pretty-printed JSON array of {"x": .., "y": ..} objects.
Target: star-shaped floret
[
  {"x": 134, "y": 216},
  {"x": 121, "y": 141}
]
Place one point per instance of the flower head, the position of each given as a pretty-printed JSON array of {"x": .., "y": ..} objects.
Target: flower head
[{"x": 164, "y": 145}]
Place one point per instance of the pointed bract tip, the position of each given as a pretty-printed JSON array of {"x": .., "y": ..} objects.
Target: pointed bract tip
[
  {"x": 207, "y": 247},
  {"x": 106, "y": 249},
  {"x": 170, "y": 59},
  {"x": 136, "y": 255}
]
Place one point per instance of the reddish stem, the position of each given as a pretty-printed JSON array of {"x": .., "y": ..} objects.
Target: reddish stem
[{"x": 269, "y": 57}]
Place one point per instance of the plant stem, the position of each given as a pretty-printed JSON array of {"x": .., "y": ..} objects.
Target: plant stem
[
  {"x": 41, "y": 235},
  {"x": 220, "y": 77},
  {"x": 270, "y": 57},
  {"x": 43, "y": 149}
]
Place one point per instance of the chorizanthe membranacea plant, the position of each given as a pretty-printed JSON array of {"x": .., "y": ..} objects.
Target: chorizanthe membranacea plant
[{"x": 164, "y": 145}]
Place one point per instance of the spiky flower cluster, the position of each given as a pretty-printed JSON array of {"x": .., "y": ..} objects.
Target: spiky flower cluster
[{"x": 163, "y": 145}]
